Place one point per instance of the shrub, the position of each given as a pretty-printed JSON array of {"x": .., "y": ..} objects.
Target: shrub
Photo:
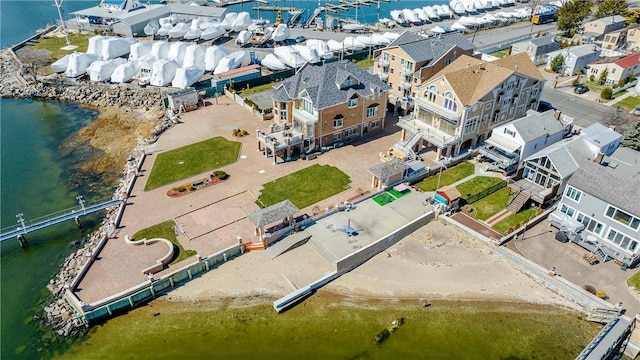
[
  {"x": 245, "y": 133},
  {"x": 606, "y": 93},
  {"x": 601, "y": 294},
  {"x": 236, "y": 132},
  {"x": 575, "y": 82},
  {"x": 189, "y": 187},
  {"x": 622, "y": 82},
  {"x": 615, "y": 86},
  {"x": 268, "y": 110},
  {"x": 590, "y": 289},
  {"x": 592, "y": 78},
  {"x": 220, "y": 174},
  {"x": 180, "y": 188}
]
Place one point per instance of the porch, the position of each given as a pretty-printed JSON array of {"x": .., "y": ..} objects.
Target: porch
[{"x": 280, "y": 141}]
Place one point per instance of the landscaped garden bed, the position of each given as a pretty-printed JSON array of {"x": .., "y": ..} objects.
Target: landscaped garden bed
[{"x": 216, "y": 177}]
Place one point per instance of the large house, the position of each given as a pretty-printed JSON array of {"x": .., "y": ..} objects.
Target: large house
[
  {"x": 604, "y": 25},
  {"x": 602, "y": 197},
  {"x": 575, "y": 59},
  {"x": 323, "y": 106},
  {"x": 537, "y": 48},
  {"x": 617, "y": 68},
  {"x": 458, "y": 107},
  {"x": 411, "y": 59}
]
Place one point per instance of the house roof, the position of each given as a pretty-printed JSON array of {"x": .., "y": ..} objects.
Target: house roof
[
  {"x": 624, "y": 61},
  {"x": 421, "y": 48},
  {"x": 599, "y": 134},
  {"x": 610, "y": 19},
  {"x": 543, "y": 40},
  {"x": 566, "y": 155},
  {"x": 607, "y": 184},
  {"x": 471, "y": 78},
  {"x": 388, "y": 168},
  {"x": 536, "y": 125},
  {"x": 322, "y": 83},
  {"x": 273, "y": 213}
]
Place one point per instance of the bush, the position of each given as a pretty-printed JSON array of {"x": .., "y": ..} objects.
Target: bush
[
  {"x": 268, "y": 110},
  {"x": 601, "y": 294},
  {"x": 590, "y": 289},
  {"x": 575, "y": 82},
  {"x": 180, "y": 189},
  {"x": 622, "y": 82},
  {"x": 592, "y": 78},
  {"x": 606, "y": 93},
  {"x": 189, "y": 187},
  {"x": 244, "y": 133},
  {"x": 220, "y": 174}
]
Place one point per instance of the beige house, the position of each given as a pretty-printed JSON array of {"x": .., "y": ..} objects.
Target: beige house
[
  {"x": 459, "y": 106},
  {"x": 627, "y": 39},
  {"x": 411, "y": 59},
  {"x": 617, "y": 68},
  {"x": 604, "y": 25},
  {"x": 322, "y": 107}
]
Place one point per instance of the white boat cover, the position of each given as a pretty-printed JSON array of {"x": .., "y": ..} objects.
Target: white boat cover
[
  {"x": 206, "y": 24},
  {"x": 151, "y": 28},
  {"x": 289, "y": 56},
  {"x": 438, "y": 30},
  {"x": 144, "y": 64},
  {"x": 243, "y": 37},
  {"x": 444, "y": 11},
  {"x": 187, "y": 76},
  {"x": 352, "y": 43},
  {"x": 308, "y": 53},
  {"x": 212, "y": 32},
  {"x": 478, "y": 5},
  {"x": 273, "y": 63},
  {"x": 321, "y": 48},
  {"x": 458, "y": 26},
  {"x": 281, "y": 33},
  {"x": 354, "y": 27},
  {"x": 160, "y": 49},
  {"x": 139, "y": 49},
  {"x": 229, "y": 62},
  {"x": 78, "y": 64},
  {"x": 367, "y": 40},
  {"x": 171, "y": 19},
  {"x": 391, "y": 35},
  {"x": 431, "y": 12},
  {"x": 398, "y": 16},
  {"x": 213, "y": 55},
  {"x": 198, "y": 23},
  {"x": 177, "y": 51},
  {"x": 61, "y": 64},
  {"x": 193, "y": 55},
  {"x": 458, "y": 7},
  {"x": 242, "y": 22},
  {"x": 379, "y": 39},
  {"x": 228, "y": 21},
  {"x": 179, "y": 30},
  {"x": 163, "y": 72},
  {"x": 123, "y": 73},
  {"x": 101, "y": 70},
  {"x": 95, "y": 45},
  {"x": 164, "y": 29},
  {"x": 422, "y": 15},
  {"x": 410, "y": 16},
  {"x": 335, "y": 46},
  {"x": 114, "y": 47},
  {"x": 193, "y": 34},
  {"x": 468, "y": 21},
  {"x": 258, "y": 24}
]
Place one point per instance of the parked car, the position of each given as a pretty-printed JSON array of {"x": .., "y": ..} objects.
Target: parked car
[
  {"x": 300, "y": 39},
  {"x": 580, "y": 89},
  {"x": 636, "y": 111},
  {"x": 544, "y": 106}
]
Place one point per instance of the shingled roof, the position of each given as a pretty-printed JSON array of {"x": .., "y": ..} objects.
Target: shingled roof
[
  {"x": 421, "y": 48},
  {"x": 273, "y": 213},
  {"x": 471, "y": 78},
  {"x": 323, "y": 84}
]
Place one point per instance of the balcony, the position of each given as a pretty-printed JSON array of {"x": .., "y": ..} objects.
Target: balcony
[
  {"x": 503, "y": 159},
  {"x": 405, "y": 85},
  {"x": 427, "y": 132},
  {"x": 304, "y": 116},
  {"x": 406, "y": 71},
  {"x": 444, "y": 113},
  {"x": 383, "y": 62},
  {"x": 279, "y": 138}
]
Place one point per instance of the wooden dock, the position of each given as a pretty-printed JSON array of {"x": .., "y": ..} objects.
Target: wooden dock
[
  {"x": 345, "y": 5},
  {"x": 273, "y": 8}
]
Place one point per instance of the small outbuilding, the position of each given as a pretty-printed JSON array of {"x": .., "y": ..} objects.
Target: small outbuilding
[
  {"x": 282, "y": 211},
  {"x": 387, "y": 173},
  {"x": 183, "y": 100}
]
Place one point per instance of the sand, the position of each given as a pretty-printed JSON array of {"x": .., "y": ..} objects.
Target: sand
[{"x": 437, "y": 262}]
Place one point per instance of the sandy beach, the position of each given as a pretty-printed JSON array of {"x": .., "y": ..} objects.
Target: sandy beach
[{"x": 437, "y": 262}]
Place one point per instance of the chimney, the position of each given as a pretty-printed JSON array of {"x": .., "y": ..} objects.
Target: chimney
[
  {"x": 599, "y": 158},
  {"x": 468, "y": 65}
]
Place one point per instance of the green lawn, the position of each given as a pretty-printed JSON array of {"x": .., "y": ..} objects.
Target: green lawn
[
  {"x": 502, "y": 53},
  {"x": 258, "y": 89},
  {"x": 53, "y": 45},
  {"x": 191, "y": 160},
  {"x": 477, "y": 185},
  {"x": 516, "y": 220},
  {"x": 365, "y": 63},
  {"x": 491, "y": 204},
  {"x": 305, "y": 187},
  {"x": 634, "y": 280},
  {"x": 629, "y": 103},
  {"x": 617, "y": 95},
  {"x": 166, "y": 230},
  {"x": 448, "y": 177}
]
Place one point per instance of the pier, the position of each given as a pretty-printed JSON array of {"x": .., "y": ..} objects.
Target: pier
[
  {"x": 236, "y": 2},
  {"x": 611, "y": 340},
  {"x": 51, "y": 220}
]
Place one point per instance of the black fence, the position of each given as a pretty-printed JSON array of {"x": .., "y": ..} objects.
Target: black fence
[{"x": 486, "y": 192}]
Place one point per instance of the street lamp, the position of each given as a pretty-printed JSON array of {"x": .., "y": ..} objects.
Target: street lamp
[
  {"x": 81, "y": 201},
  {"x": 20, "y": 217}
]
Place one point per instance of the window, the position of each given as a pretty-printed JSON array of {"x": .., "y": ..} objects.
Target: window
[
  {"x": 353, "y": 102},
  {"x": 338, "y": 121},
  {"x": 401, "y": 61},
  {"x": 567, "y": 210},
  {"x": 431, "y": 93},
  {"x": 471, "y": 125},
  {"x": 590, "y": 224},
  {"x": 393, "y": 58},
  {"x": 573, "y": 193},
  {"x": 283, "y": 115},
  {"x": 372, "y": 110},
  {"x": 307, "y": 105},
  {"x": 622, "y": 240},
  {"x": 375, "y": 124},
  {"x": 623, "y": 217},
  {"x": 449, "y": 102}
]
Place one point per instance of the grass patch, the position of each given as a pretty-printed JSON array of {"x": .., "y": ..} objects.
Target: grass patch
[
  {"x": 53, "y": 52},
  {"x": 629, "y": 103},
  {"x": 617, "y": 95},
  {"x": 166, "y": 230},
  {"x": 634, "y": 281},
  {"x": 305, "y": 187},
  {"x": 491, "y": 204},
  {"x": 365, "y": 63},
  {"x": 502, "y": 53},
  {"x": 191, "y": 160},
  {"x": 447, "y": 177},
  {"x": 516, "y": 220},
  {"x": 257, "y": 89},
  {"x": 477, "y": 185}
]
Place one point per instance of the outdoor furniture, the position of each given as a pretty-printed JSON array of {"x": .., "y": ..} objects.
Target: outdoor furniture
[{"x": 349, "y": 230}]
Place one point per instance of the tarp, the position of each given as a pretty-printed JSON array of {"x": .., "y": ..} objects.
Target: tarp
[
  {"x": 194, "y": 55},
  {"x": 213, "y": 55},
  {"x": 160, "y": 50},
  {"x": 242, "y": 22},
  {"x": 163, "y": 72},
  {"x": 101, "y": 70},
  {"x": 123, "y": 73},
  {"x": 177, "y": 51},
  {"x": 281, "y": 33},
  {"x": 186, "y": 77},
  {"x": 114, "y": 47},
  {"x": 228, "y": 21},
  {"x": 138, "y": 49},
  {"x": 78, "y": 64},
  {"x": 95, "y": 45}
]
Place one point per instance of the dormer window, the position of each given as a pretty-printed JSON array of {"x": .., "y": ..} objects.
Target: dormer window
[
  {"x": 349, "y": 82},
  {"x": 306, "y": 104},
  {"x": 353, "y": 102}
]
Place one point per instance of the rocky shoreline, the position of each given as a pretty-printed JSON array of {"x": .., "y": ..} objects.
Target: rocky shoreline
[{"x": 58, "y": 314}]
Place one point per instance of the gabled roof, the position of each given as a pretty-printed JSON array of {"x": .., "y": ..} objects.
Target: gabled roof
[
  {"x": 536, "y": 125},
  {"x": 421, "y": 48},
  {"x": 543, "y": 40},
  {"x": 566, "y": 155},
  {"x": 322, "y": 83},
  {"x": 604, "y": 183},
  {"x": 471, "y": 78},
  {"x": 610, "y": 19},
  {"x": 599, "y": 134},
  {"x": 388, "y": 168}
]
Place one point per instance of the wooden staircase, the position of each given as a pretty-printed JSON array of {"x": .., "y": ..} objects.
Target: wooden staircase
[
  {"x": 518, "y": 202},
  {"x": 602, "y": 316}
]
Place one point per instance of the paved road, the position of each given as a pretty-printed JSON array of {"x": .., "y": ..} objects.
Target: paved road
[{"x": 585, "y": 111}]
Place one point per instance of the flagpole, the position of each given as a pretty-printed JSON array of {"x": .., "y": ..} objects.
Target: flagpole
[{"x": 439, "y": 175}]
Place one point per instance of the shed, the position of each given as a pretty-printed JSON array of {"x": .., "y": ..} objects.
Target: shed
[
  {"x": 183, "y": 100},
  {"x": 449, "y": 196},
  {"x": 387, "y": 173},
  {"x": 283, "y": 210}
]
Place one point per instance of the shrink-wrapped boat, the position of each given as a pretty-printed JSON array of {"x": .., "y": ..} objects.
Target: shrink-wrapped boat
[
  {"x": 213, "y": 32},
  {"x": 164, "y": 29},
  {"x": 281, "y": 33},
  {"x": 308, "y": 53},
  {"x": 229, "y": 19},
  {"x": 113, "y": 47},
  {"x": 138, "y": 49},
  {"x": 179, "y": 30},
  {"x": 163, "y": 72},
  {"x": 213, "y": 55},
  {"x": 160, "y": 49},
  {"x": 177, "y": 51},
  {"x": 321, "y": 47},
  {"x": 242, "y": 22},
  {"x": 78, "y": 64},
  {"x": 95, "y": 45},
  {"x": 123, "y": 73},
  {"x": 101, "y": 70},
  {"x": 229, "y": 62},
  {"x": 273, "y": 63},
  {"x": 60, "y": 65},
  {"x": 187, "y": 76},
  {"x": 243, "y": 37},
  {"x": 289, "y": 56},
  {"x": 193, "y": 55}
]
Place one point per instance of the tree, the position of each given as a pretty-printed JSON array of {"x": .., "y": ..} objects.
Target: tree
[
  {"x": 556, "y": 63},
  {"x": 571, "y": 14},
  {"x": 606, "y": 93},
  {"x": 611, "y": 8},
  {"x": 618, "y": 120},
  {"x": 631, "y": 137},
  {"x": 34, "y": 60},
  {"x": 603, "y": 76},
  {"x": 633, "y": 16}
]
